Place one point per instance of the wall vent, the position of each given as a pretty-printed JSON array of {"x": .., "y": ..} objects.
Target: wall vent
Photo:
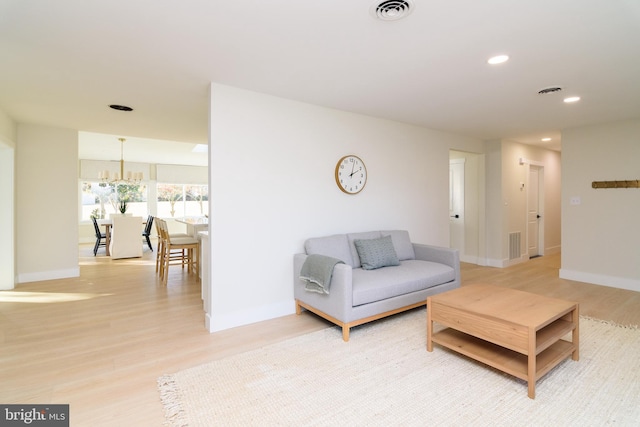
[
  {"x": 550, "y": 89},
  {"x": 514, "y": 245},
  {"x": 392, "y": 10}
]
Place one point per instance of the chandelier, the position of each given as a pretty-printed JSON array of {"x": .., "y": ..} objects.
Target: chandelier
[{"x": 120, "y": 177}]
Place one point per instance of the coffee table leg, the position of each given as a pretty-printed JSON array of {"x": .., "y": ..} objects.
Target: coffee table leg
[
  {"x": 575, "y": 336},
  {"x": 429, "y": 326},
  {"x": 531, "y": 368}
]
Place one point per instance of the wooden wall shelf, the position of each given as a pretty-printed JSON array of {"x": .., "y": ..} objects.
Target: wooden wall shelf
[{"x": 616, "y": 184}]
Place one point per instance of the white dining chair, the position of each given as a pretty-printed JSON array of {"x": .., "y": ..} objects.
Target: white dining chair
[{"x": 125, "y": 237}]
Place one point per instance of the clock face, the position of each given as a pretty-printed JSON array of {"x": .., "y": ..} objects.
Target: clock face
[{"x": 351, "y": 174}]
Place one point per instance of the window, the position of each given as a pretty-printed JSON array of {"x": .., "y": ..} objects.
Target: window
[
  {"x": 100, "y": 199},
  {"x": 180, "y": 200}
]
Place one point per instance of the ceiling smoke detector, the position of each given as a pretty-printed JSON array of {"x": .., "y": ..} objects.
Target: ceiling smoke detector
[
  {"x": 392, "y": 10},
  {"x": 551, "y": 89}
]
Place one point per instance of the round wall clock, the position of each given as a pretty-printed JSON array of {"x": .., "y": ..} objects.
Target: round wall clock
[{"x": 351, "y": 174}]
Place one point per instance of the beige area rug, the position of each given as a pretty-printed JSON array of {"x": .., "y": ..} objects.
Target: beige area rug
[{"x": 385, "y": 377}]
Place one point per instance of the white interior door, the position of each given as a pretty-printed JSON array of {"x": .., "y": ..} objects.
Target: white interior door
[
  {"x": 533, "y": 212},
  {"x": 456, "y": 204}
]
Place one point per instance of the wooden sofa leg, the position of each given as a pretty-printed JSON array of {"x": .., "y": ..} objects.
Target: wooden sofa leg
[
  {"x": 298, "y": 308},
  {"x": 345, "y": 333}
]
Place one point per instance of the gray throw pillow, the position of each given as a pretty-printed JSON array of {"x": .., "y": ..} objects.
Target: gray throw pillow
[{"x": 376, "y": 253}]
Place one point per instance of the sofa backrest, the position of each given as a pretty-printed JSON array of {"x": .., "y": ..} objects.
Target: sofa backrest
[
  {"x": 401, "y": 243},
  {"x": 352, "y": 246},
  {"x": 336, "y": 246},
  {"x": 341, "y": 246}
]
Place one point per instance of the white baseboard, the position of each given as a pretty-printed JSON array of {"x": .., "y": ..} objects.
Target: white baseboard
[
  {"x": 497, "y": 263},
  {"x": 502, "y": 263},
  {"x": 470, "y": 259},
  {"x": 600, "y": 279},
  {"x": 215, "y": 323},
  {"x": 552, "y": 250},
  {"x": 48, "y": 275}
]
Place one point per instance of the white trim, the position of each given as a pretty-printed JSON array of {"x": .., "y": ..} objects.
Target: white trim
[
  {"x": 525, "y": 161},
  {"x": 502, "y": 263},
  {"x": 553, "y": 250},
  {"x": 498, "y": 263},
  {"x": 600, "y": 279},
  {"x": 48, "y": 275},
  {"x": 469, "y": 259},
  {"x": 215, "y": 323}
]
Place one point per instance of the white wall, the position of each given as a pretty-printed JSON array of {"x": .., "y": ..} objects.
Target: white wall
[
  {"x": 506, "y": 207},
  {"x": 601, "y": 235},
  {"x": 47, "y": 203},
  {"x": 514, "y": 173},
  {"x": 495, "y": 213},
  {"x": 272, "y": 185},
  {"x": 7, "y": 195}
]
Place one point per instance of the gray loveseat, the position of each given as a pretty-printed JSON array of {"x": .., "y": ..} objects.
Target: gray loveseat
[{"x": 379, "y": 284}]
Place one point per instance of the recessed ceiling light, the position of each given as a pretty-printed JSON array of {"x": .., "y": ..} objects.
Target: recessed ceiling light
[
  {"x": 120, "y": 107},
  {"x": 546, "y": 139},
  {"x": 499, "y": 59},
  {"x": 572, "y": 99}
]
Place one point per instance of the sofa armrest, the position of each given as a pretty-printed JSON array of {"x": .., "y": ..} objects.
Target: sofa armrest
[
  {"x": 339, "y": 302},
  {"x": 447, "y": 256}
]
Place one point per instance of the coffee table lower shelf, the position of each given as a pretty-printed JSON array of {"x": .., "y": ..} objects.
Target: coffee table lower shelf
[{"x": 501, "y": 358}]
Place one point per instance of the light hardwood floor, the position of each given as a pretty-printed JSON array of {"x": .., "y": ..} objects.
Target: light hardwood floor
[{"x": 99, "y": 342}]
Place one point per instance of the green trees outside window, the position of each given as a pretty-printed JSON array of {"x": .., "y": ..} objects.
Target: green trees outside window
[
  {"x": 99, "y": 199},
  {"x": 180, "y": 200}
]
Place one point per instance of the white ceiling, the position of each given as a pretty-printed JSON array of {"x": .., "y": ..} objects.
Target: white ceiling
[
  {"x": 63, "y": 62},
  {"x": 101, "y": 146}
]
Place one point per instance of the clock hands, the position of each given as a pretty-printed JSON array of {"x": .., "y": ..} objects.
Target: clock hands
[{"x": 354, "y": 172}]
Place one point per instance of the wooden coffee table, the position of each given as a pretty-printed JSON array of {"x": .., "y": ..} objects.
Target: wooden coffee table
[{"x": 514, "y": 331}]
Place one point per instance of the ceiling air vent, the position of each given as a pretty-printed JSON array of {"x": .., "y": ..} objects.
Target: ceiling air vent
[
  {"x": 392, "y": 10},
  {"x": 551, "y": 89}
]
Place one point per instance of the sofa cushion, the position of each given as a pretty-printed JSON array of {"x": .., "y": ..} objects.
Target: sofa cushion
[
  {"x": 401, "y": 243},
  {"x": 352, "y": 246},
  {"x": 410, "y": 276},
  {"x": 336, "y": 246},
  {"x": 376, "y": 253}
]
